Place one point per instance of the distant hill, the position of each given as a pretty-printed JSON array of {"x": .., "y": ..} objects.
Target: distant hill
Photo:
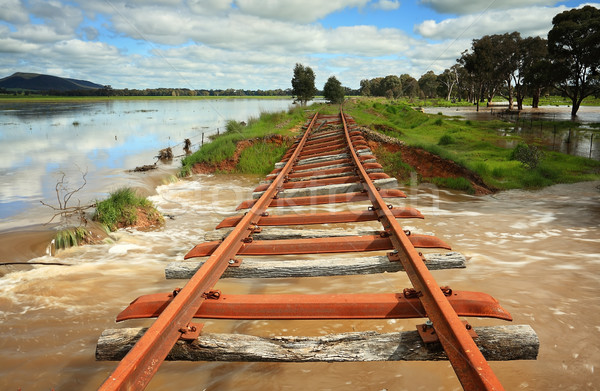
[{"x": 39, "y": 82}]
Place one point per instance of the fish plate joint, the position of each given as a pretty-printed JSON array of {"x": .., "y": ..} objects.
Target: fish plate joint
[
  {"x": 429, "y": 336},
  {"x": 191, "y": 332}
]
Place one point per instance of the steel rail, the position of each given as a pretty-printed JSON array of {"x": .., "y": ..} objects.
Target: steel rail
[
  {"x": 471, "y": 368},
  {"x": 138, "y": 367}
]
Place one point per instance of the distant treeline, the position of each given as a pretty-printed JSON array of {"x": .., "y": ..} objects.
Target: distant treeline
[{"x": 507, "y": 65}]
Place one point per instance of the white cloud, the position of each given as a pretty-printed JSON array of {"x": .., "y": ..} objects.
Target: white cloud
[
  {"x": 462, "y": 7},
  {"x": 38, "y": 33},
  {"x": 531, "y": 21},
  {"x": 12, "y": 11},
  {"x": 209, "y": 7},
  {"x": 298, "y": 11},
  {"x": 64, "y": 18},
  {"x": 11, "y": 46},
  {"x": 387, "y": 5}
]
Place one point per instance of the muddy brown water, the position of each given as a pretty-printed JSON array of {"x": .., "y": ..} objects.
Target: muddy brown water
[{"x": 536, "y": 252}]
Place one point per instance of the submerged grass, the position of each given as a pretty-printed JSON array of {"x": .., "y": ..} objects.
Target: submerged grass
[
  {"x": 476, "y": 145},
  {"x": 121, "y": 209},
  {"x": 70, "y": 237}
]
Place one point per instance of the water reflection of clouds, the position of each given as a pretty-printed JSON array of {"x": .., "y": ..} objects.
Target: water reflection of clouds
[{"x": 38, "y": 140}]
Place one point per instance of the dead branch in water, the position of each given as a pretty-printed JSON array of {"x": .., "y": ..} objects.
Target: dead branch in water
[{"x": 63, "y": 196}]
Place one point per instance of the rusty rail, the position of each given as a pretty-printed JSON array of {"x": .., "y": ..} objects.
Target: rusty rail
[
  {"x": 470, "y": 366},
  {"x": 176, "y": 310}
]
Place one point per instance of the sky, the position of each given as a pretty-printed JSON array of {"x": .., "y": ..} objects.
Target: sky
[{"x": 253, "y": 44}]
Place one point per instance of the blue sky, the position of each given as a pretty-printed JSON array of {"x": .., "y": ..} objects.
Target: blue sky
[{"x": 252, "y": 44}]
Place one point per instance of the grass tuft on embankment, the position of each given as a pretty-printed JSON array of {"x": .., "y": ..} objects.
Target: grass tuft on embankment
[
  {"x": 124, "y": 208},
  {"x": 223, "y": 147},
  {"x": 484, "y": 147}
]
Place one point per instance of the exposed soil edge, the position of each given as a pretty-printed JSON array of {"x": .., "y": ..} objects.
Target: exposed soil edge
[
  {"x": 229, "y": 165},
  {"x": 425, "y": 163}
]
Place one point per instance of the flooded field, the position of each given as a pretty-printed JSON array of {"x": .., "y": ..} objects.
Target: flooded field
[
  {"x": 583, "y": 142},
  {"x": 537, "y": 252}
]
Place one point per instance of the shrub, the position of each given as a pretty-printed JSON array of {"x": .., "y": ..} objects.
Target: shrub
[
  {"x": 234, "y": 126},
  {"x": 121, "y": 208},
  {"x": 445, "y": 140},
  {"x": 529, "y": 155}
]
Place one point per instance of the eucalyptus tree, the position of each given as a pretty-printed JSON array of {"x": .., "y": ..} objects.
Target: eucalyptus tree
[
  {"x": 333, "y": 90},
  {"x": 428, "y": 83},
  {"x": 447, "y": 80},
  {"x": 574, "y": 47},
  {"x": 534, "y": 70},
  {"x": 491, "y": 62},
  {"x": 410, "y": 86},
  {"x": 391, "y": 87},
  {"x": 303, "y": 84}
]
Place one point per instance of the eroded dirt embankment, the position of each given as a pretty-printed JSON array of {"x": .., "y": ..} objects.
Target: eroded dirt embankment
[{"x": 229, "y": 165}]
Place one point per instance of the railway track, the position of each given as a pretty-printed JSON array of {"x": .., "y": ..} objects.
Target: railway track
[{"x": 330, "y": 163}]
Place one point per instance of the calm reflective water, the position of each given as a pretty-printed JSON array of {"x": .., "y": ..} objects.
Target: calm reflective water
[
  {"x": 40, "y": 141},
  {"x": 538, "y": 253},
  {"x": 584, "y": 143}
]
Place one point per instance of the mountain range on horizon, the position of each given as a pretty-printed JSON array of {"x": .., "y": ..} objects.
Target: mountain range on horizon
[{"x": 40, "y": 82}]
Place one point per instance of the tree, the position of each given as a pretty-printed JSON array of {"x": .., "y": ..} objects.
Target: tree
[
  {"x": 507, "y": 52},
  {"x": 447, "y": 80},
  {"x": 333, "y": 90},
  {"x": 574, "y": 47},
  {"x": 391, "y": 87},
  {"x": 429, "y": 84},
  {"x": 303, "y": 84},
  {"x": 410, "y": 86},
  {"x": 365, "y": 87},
  {"x": 534, "y": 70}
]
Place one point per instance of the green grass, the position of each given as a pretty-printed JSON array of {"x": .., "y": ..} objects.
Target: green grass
[
  {"x": 476, "y": 145},
  {"x": 223, "y": 147},
  {"x": 260, "y": 158},
  {"x": 393, "y": 165},
  {"x": 453, "y": 183},
  {"x": 70, "y": 237},
  {"x": 121, "y": 208}
]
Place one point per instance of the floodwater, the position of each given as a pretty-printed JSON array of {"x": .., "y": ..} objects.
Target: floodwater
[
  {"x": 40, "y": 141},
  {"x": 538, "y": 253},
  {"x": 579, "y": 142}
]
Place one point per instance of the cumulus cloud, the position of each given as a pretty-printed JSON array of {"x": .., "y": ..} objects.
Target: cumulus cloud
[
  {"x": 462, "y": 7},
  {"x": 298, "y": 11},
  {"x": 12, "y": 11},
  {"x": 242, "y": 43},
  {"x": 39, "y": 33},
  {"x": 64, "y": 18},
  {"x": 531, "y": 21},
  {"x": 386, "y": 5}
]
